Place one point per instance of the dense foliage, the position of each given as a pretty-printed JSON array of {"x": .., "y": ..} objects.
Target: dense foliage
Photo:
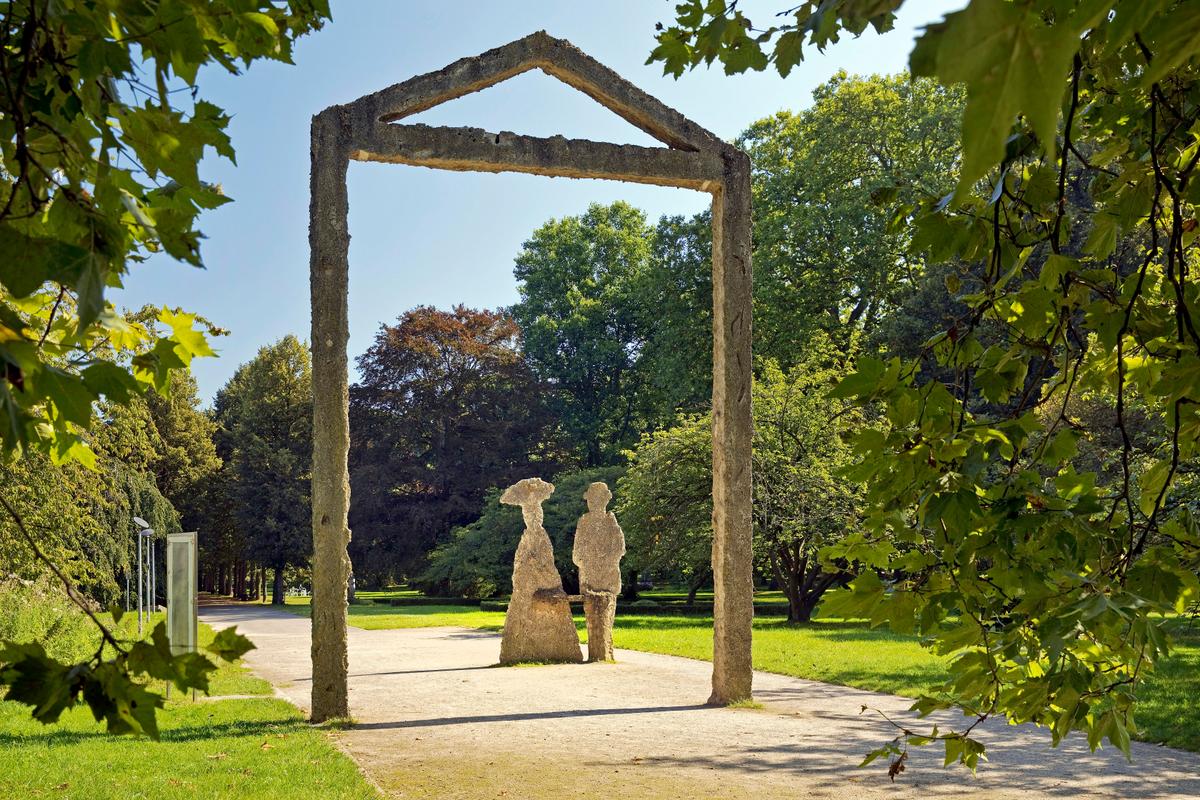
[
  {"x": 101, "y": 133},
  {"x": 83, "y": 516},
  {"x": 586, "y": 316},
  {"x": 801, "y": 503},
  {"x": 828, "y": 257},
  {"x": 264, "y": 439},
  {"x": 186, "y": 459},
  {"x": 99, "y": 165},
  {"x": 446, "y": 408},
  {"x": 1046, "y": 576}
]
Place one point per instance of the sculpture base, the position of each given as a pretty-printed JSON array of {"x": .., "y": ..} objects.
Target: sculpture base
[
  {"x": 538, "y": 627},
  {"x": 600, "y": 609}
]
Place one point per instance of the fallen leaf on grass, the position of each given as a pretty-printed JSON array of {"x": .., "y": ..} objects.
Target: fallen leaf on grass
[{"x": 218, "y": 756}]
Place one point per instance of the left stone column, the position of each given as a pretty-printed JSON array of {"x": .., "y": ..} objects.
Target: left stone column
[{"x": 329, "y": 244}]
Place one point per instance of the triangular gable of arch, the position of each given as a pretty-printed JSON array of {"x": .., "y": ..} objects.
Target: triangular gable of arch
[{"x": 555, "y": 57}]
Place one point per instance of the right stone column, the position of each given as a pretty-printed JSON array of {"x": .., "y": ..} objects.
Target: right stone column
[{"x": 732, "y": 556}]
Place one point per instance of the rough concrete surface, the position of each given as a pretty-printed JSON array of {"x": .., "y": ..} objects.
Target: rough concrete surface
[
  {"x": 694, "y": 158},
  {"x": 436, "y": 718},
  {"x": 538, "y": 625},
  {"x": 599, "y": 546}
]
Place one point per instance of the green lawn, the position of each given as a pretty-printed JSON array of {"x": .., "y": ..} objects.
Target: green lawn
[
  {"x": 834, "y": 651},
  {"x": 1169, "y": 704},
  {"x": 211, "y": 748},
  {"x": 850, "y": 654},
  {"x": 385, "y": 617}
]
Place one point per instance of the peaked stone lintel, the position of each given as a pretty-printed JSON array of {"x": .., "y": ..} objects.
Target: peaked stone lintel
[
  {"x": 557, "y": 58},
  {"x": 477, "y": 150}
]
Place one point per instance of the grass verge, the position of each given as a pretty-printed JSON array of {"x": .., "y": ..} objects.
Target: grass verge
[{"x": 210, "y": 748}]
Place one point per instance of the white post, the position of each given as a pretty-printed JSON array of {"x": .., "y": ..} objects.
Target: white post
[
  {"x": 153, "y": 578},
  {"x": 139, "y": 541}
]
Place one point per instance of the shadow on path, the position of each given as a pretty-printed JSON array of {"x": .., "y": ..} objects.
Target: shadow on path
[
  {"x": 402, "y": 672},
  {"x": 532, "y": 715}
]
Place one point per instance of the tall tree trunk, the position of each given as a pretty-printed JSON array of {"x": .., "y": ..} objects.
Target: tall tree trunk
[
  {"x": 801, "y": 608},
  {"x": 277, "y": 589},
  {"x": 629, "y": 587},
  {"x": 791, "y": 590},
  {"x": 698, "y": 579}
]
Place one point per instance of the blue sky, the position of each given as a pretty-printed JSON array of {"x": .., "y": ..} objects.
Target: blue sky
[{"x": 421, "y": 236}]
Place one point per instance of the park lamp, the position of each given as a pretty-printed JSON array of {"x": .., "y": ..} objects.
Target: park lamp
[{"x": 146, "y": 577}]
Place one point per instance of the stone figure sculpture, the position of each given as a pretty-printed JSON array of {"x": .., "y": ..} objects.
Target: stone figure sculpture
[
  {"x": 599, "y": 545},
  {"x": 538, "y": 626}
]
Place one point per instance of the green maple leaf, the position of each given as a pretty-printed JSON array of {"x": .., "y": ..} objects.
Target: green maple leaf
[{"x": 1012, "y": 63}]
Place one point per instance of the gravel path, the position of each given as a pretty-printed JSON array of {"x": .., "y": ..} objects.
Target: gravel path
[{"x": 434, "y": 718}]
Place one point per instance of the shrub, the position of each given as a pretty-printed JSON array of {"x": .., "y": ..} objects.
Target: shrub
[{"x": 38, "y": 611}]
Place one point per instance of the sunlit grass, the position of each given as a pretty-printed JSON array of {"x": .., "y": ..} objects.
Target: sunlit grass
[
  {"x": 846, "y": 653},
  {"x": 1168, "y": 710},
  {"x": 210, "y": 748},
  {"x": 384, "y": 617}
]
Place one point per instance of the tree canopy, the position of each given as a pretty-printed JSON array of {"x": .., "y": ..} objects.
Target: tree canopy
[
  {"x": 801, "y": 502},
  {"x": 585, "y": 315},
  {"x": 446, "y": 408},
  {"x": 828, "y": 256},
  {"x": 265, "y": 441}
]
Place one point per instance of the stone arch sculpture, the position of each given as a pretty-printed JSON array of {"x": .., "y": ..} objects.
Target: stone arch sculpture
[{"x": 693, "y": 158}]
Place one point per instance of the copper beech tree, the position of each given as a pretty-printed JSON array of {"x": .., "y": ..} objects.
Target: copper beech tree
[{"x": 446, "y": 408}]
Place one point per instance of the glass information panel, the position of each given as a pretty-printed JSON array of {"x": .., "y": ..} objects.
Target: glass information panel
[{"x": 181, "y": 592}]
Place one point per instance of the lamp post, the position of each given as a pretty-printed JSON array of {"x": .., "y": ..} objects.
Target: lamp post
[{"x": 145, "y": 539}]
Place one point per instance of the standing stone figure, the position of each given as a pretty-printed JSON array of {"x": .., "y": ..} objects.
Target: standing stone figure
[
  {"x": 599, "y": 545},
  {"x": 538, "y": 626}
]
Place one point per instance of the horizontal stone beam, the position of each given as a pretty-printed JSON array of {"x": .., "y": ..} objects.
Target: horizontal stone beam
[{"x": 477, "y": 150}]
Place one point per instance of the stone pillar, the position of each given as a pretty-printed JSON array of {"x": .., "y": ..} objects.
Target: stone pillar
[
  {"x": 329, "y": 243},
  {"x": 733, "y": 607},
  {"x": 600, "y": 610}
]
